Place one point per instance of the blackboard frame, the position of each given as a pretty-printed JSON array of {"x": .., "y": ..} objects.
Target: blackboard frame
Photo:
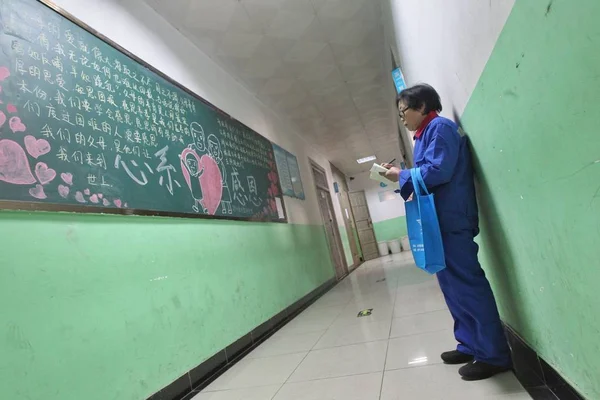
[{"x": 53, "y": 207}]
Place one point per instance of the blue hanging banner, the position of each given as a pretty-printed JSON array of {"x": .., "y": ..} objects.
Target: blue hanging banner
[{"x": 398, "y": 80}]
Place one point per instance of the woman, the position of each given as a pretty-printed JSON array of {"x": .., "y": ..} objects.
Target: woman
[{"x": 445, "y": 162}]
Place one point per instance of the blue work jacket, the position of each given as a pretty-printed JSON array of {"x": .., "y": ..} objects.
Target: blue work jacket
[{"x": 444, "y": 158}]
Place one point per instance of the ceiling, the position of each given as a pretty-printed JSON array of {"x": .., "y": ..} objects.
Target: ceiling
[{"x": 318, "y": 62}]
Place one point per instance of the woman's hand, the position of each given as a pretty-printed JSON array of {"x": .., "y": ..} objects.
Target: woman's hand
[{"x": 393, "y": 173}]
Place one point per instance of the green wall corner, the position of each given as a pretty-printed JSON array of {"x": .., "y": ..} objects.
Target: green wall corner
[
  {"x": 533, "y": 124},
  {"x": 117, "y": 307}
]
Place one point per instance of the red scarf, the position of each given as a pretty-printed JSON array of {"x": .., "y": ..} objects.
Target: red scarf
[{"x": 430, "y": 117}]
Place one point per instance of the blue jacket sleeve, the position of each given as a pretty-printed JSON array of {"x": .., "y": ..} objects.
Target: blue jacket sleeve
[{"x": 440, "y": 159}]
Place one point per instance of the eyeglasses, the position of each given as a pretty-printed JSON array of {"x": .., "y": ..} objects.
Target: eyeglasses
[{"x": 403, "y": 112}]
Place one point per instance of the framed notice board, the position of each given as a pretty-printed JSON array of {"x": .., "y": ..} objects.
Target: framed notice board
[
  {"x": 289, "y": 173},
  {"x": 87, "y": 127}
]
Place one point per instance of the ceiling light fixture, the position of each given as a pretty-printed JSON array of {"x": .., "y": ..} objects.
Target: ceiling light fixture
[{"x": 366, "y": 159}]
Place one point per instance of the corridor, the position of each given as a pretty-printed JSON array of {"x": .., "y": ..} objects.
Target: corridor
[{"x": 327, "y": 353}]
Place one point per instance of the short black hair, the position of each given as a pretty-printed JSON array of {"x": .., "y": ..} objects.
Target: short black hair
[{"x": 417, "y": 96}]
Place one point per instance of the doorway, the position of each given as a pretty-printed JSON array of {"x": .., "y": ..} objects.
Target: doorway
[
  {"x": 364, "y": 225},
  {"x": 341, "y": 194},
  {"x": 329, "y": 221},
  {"x": 351, "y": 229}
]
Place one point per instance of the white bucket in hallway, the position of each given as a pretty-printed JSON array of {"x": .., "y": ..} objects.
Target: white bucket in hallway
[
  {"x": 395, "y": 246},
  {"x": 405, "y": 244},
  {"x": 383, "y": 249}
]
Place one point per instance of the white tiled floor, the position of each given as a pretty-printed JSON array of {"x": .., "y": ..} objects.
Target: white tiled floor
[{"x": 327, "y": 353}]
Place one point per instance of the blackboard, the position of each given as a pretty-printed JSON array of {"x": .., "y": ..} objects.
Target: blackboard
[
  {"x": 87, "y": 126},
  {"x": 289, "y": 173}
]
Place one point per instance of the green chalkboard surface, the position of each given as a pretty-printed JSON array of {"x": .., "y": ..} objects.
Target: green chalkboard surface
[{"x": 84, "y": 124}]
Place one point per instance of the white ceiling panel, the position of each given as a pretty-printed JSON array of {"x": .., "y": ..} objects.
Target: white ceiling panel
[{"x": 320, "y": 62}]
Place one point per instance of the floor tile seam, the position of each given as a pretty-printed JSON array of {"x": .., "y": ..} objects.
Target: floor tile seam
[
  {"x": 301, "y": 362},
  {"x": 335, "y": 377},
  {"x": 387, "y": 350}
]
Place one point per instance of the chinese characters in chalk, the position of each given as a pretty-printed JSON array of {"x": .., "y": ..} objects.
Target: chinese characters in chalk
[{"x": 103, "y": 123}]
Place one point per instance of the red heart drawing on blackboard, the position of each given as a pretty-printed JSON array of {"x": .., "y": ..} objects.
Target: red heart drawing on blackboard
[
  {"x": 38, "y": 192},
  {"x": 63, "y": 191},
  {"x": 211, "y": 182},
  {"x": 16, "y": 125},
  {"x": 4, "y": 73},
  {"x": 44, "y": 174},
  {"x": 14, "y": 165},
  {"x": 36, "y": 147}
]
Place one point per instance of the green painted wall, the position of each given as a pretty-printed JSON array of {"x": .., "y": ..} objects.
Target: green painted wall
[
  {"x": 346, "y": 245},
  {"x": 112, "y": 307},
  {"x": 390, "y": 229},
  {"x": 533, "y": 123}
]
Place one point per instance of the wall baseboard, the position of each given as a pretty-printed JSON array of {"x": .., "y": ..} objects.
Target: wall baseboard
[
  {"x": 536, "y": 375},
  {"x": 193, "y": 381}
]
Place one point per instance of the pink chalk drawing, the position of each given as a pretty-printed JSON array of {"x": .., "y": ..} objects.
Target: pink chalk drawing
[
  {"x": 63, "y": 191},
  {"x": 36, "y": 147},
  {"x": 100, "y": 196},
  {"x": 94, "y": 199},
  {"x": 118, "y": 203},
  {"x": 67, "y": 178},
  {"x": 14, "y": 165},
  {"x": 215, "y": 151},
  {"x": 2, "y": 119},
  {"x": 192, "y": 170},
  {"x": 44, "y": 174},
  {"x": 38, "y": 192},
  {"x": 11, "y": 108},
  {"x": 274, "y": 190},
  {"x": 79, "y": 197},
  {"x": 16, "y": 125},
  {"x": 212, "y": 184},
  {"x": 87, "y": 192},
  {"x": 105, "y": 202},
  {"x": 4, "y": 73}
]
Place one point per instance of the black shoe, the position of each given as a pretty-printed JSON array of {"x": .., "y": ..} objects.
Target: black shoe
[
  {"x": 477, "y": 370},
  {"x": 456, "y": 357}
]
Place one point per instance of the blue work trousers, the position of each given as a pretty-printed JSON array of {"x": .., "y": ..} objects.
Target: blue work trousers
[{"x": 477, "y": 325}]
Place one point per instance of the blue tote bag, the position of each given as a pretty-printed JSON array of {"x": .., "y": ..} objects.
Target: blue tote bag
[{"x": 423, "y": 227}]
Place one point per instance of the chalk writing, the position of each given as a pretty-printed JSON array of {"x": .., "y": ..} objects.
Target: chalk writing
[{"x": 111, "y": 130}]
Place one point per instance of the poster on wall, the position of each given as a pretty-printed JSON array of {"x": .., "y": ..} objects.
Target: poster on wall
[
  {"x": 388, "y": 195},
  {"x": 399, "y": 81},
  {"x": 289, "y": 173},
  {"x": 284, "y": 172},
  {"x": 295, "y": 176}
]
